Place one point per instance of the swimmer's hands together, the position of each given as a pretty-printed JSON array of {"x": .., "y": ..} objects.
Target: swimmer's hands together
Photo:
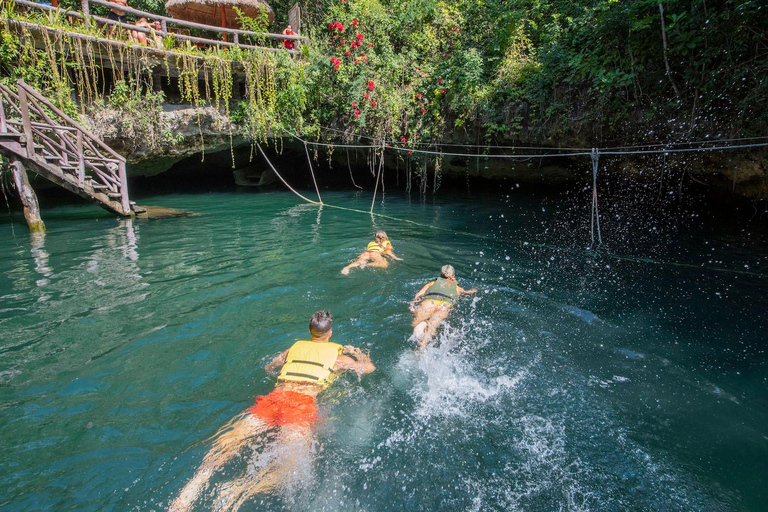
[{"x": 362, "y": 364}]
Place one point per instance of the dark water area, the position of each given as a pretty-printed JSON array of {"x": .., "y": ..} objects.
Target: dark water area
[{"x": 633, "y": 376}]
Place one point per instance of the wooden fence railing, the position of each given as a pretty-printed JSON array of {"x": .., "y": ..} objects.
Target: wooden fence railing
[
  {"x": 165, "y": 23},
  {"x": 52, "y": 138}
]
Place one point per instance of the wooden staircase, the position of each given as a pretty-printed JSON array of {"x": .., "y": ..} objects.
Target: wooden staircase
[{"x": 44, "y": 140}]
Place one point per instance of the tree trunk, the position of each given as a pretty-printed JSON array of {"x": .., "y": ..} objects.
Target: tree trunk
[{"x": 28, "y": 197}]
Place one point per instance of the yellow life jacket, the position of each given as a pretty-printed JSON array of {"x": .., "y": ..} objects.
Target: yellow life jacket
[
  {"x": 308, "y": 361},
  {"x": 376, "y": 247}
]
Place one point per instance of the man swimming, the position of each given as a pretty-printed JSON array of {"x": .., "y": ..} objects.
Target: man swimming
[
  {"x": 437, "y": 299},
  {"x": 305, "y": 370},
  {"x": 375, "y": 255}
]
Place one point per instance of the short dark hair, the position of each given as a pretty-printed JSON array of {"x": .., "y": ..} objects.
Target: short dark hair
[{"x": 320, "y": 323}]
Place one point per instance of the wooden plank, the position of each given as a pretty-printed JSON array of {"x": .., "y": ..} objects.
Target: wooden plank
[{"x": 26, "y": 124}]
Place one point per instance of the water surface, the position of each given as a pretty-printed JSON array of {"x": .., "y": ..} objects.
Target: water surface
[{"x": 575, "y": 380}]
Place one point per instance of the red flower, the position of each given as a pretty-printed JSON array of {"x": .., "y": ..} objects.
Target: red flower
[
  {"x": 357, "y": 61},
  {"x": 370, "y": 85},
  {"x": 360, "y": 37},
  {"x": 336, "y": 67},
  {"x": 418, "y": 95},
  {"x": 347, "y": 53},
  {"x": 332, "y": 59},
  {"x": 331, "y": 25},
  {"x": 354, "y": 105},
  {"x": 354, "y": 22},
  {"x": 410, "y": 153},
  {"x": 421, "y": 103},
  {"x": 339, "y": 27},
  {"x": 358, "y": 43},
  {"x": 402, "y": 140},
  {"x": 366, "y": 96},
  {"x": 422, "y": 111},
  {"x": 370, "y": 45},
  {"x": 357, "y": 113},
  {"x": 365, "y": 59},
  {"x": 439, "y": 80},
  {"x": 442, "y": 91},
  {"x": 373, "y": 103}
]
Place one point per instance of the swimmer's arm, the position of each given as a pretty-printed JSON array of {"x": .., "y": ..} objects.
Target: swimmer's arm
[
  {"x": 462, "y": 291},
  {"x": 423, "y": 291},
  {"x": 360, "y": 364},
  {"x": 274, "y": 365},
  {"x": 389, "y": 252}
]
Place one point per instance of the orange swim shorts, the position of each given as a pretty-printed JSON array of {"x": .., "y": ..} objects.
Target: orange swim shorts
[{"x": 284, "y": 407}]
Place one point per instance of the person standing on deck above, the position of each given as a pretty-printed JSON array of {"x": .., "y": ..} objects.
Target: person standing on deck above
[
  {"x": 117, "y": 15},
  {"x": 304, "y": 370},
  {"x": 438, "y": 297},
  {"x": 375, "y": 254},
  {"x": 289, "y": 43}
]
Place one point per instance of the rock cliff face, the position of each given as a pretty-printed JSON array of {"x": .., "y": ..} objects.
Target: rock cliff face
[{"x": 182, "y": 132}]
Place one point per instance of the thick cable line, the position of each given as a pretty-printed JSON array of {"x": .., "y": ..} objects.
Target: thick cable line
[
  {"x": 281, "y": 178},
  {"x": 378, "y": 176},
  {"x": 684, "y": 150},
  {"x": 595, "y": 211},
  {"x": 602, "y": 150},
  {"x": 606, "y": 151},
  {"x": 312, "y": 171}
]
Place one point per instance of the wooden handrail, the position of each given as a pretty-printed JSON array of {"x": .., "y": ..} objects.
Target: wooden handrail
[
  {"x": 22, "y": 85},
  {"x": 190, "y": 24},
  {"x": 129, "y": 26}
]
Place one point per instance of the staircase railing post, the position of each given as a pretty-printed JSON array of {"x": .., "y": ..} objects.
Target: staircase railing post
[
  {"x": 86, "y": 11},
  {"x": 26, "y": 123},
  {"x": 3, "y": 125},
  {"x": 124, "y": 188},
  {"x": 80, "y": 160}
]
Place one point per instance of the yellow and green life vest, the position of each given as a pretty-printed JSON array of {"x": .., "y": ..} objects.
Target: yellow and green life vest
[
  {"x": 443, "y": 289},
  {"x": 309, "y": 361},
  {"x": 379, "y": 247}
]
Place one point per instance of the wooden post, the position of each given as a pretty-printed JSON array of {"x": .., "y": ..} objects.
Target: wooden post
[
  {"x": 84, "y": 9},
  {"x": 80, "y": 160},
  {"x": 28, "y": 197},
  {"x": 3, "y": 125},
  {"x": 26, "y": 123},
  {"x": 224, "y": 22},
  {"x": 164, "y": 28},
  {"x": 124, "y": 188}
]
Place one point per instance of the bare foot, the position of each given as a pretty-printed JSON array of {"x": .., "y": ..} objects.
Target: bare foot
[{"x": 345, "y": 271}]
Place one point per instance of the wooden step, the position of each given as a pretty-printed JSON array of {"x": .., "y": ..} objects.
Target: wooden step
[{"x": 11, "y": 136}]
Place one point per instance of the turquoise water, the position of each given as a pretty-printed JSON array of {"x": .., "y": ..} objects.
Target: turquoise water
[{"x": 575, "y": 380}]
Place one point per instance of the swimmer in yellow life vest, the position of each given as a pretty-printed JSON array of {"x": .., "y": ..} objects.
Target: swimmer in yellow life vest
[
  {"x": 375, "y": 255},
  {"x": 305, "y": 369},
  {"x": 437, "y": 299}
]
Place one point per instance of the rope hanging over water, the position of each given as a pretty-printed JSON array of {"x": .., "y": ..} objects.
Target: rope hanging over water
[{"x": 595, "y": 211}]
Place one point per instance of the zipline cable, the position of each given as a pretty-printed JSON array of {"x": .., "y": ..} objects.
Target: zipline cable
[{"x": 309, "y": 161}]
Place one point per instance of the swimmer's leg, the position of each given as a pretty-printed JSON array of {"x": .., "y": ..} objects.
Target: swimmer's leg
[
  {"x": 360, "y": 262},
  {"x": 292, "y": 455},
  {"x": 440, "y": 314},
  {"x": 229, "y": 440},
  {"x": 423, "y": 312},
  {"x": 428, "y": 328},
  {"x": 378, "y": 261}
]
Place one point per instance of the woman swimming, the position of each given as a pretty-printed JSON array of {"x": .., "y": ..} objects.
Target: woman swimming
[
  {"x": 437, "y": 299},
  {"x": 375, "y": 255}
]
